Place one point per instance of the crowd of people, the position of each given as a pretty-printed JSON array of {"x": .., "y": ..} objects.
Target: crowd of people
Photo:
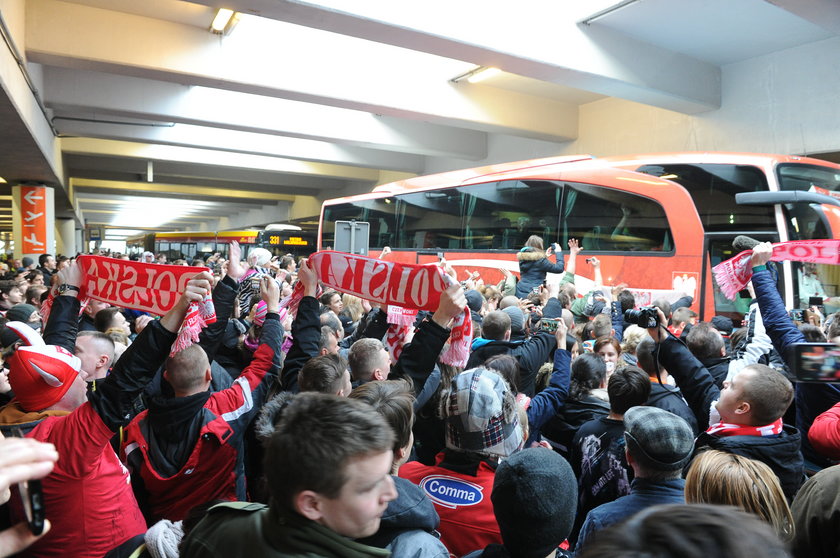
[{"x": 574, "y": 427}]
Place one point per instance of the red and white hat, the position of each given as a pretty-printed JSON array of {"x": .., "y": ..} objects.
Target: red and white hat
[{"x": 40, "y": 374}]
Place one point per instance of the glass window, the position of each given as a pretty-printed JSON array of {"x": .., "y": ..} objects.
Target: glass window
[
  {"x": 604, "y": 219},
  {"x": 808, "y": 221},
  {"x": 379, "y": 213},
  {"x": 502, "y": 215},
  {"x": 429, "y": 220},
  {"x": 713, "y": 189}
]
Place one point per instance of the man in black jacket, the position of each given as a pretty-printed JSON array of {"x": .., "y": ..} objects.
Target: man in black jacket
[{"x": 662, "y": 395}]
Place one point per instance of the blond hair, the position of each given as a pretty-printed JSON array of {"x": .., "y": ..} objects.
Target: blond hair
[
  {"x": 353, "y": 306},
  {"x": 631, "y": 338},
  {"x": 717, "y": 477}
]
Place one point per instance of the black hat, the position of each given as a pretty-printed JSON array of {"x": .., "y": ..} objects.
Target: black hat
[
  {"x": 474, "y": 300},
  {"x": 722, "y": 324},
  {"x": 535, "y": 500},
  {"x": 658, "y": 439},
  {"x": 517, "y": 319}
]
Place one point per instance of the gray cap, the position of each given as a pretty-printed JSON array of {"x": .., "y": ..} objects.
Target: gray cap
[{"x": 658, "y": 439}]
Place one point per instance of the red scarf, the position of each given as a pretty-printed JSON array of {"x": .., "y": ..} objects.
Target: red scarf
[
  {"x": 733, "y": 274},
  {"x": 726, "y": 429},
  {"x": 153, "y": 288},
  {"x": 409, "y": 286}
]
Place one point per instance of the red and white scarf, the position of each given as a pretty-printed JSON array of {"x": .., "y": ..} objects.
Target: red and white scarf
[
  {"x": 153, "y": 288},
  {"x": 733, "y": 274},
  {"x": 726, "y": 429},
  {"x": 408, "y": 286}
]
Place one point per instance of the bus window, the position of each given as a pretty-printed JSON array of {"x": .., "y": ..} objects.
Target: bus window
[
  {"x": 611, "y": 220},
  {"x": 429, "y": 220},
  {"x": 502, "y": 215},
  {"x": 379, "y": 213},
  {"x": 713, "y": 188},
  {"x": 808, "y": 221}
]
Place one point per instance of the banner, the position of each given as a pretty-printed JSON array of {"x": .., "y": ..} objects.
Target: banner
[
  {"x": 33, "y": 219},
  {"x": 733, "y": 274}
]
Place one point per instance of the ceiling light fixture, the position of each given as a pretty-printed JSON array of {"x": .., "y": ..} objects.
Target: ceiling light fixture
[
  {"x": 477, "y": 74},
  {"x": 224, "y": 22},
  {"x": 2, "y": 180},
  {"x": 606, "y": 11}
]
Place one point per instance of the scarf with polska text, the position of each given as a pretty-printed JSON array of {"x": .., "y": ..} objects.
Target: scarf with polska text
[
  {"x": 408, "y": 286},
  {"x": 733, "y": 274},
  {"x": 153, "y": 288},
  {"x": 723, "y": 429}
]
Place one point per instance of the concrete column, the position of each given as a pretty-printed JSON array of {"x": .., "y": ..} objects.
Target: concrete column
[
  {"x": 80, "y": 242},
  {"x": 33, "y": 207},
  {"x": 65, "y": 237}
]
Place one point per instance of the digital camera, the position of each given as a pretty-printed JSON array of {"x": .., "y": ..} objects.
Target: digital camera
[{"x": 643, "y": 317}]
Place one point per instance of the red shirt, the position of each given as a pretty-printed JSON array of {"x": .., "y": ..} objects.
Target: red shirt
[
  {"x": 467, "y": 521},
  {"x": 88, "y": 496}
]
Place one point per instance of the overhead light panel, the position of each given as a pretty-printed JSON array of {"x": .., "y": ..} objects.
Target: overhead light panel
[
  {"x": 606, "y": 11},
  {"x": 477, "y": 74},
  {"x": 224, "y": 22}
]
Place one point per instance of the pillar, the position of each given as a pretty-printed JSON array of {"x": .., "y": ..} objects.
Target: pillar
[
  {"x": 65, "y": 237},
  {"x": 33, "y": 208}
]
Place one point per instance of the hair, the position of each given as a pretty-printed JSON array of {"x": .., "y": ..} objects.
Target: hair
[
  {"x": 327, "y": 297},
  {"x": 565, "y": 300},
  {"x": 737, "y": 337},
  {"x": 117, "y": 335},
  {"x": 33, "y": 294},
  {"x": 628, "y": 386},
  {"x": 663, "y": 305},
  {"x": 327, "y": 333},
  {"x": 588, "y": 372},
  {"x": 353, "y": 307},
  {"x": 704, "y": 341},
  {"x": 495, "y": 325},
  {"x": 627, "y": 300},
  {"x": 316, "y": 438},
  {"x": 324, "y": 374},
  {"x": 535, "y": 242},
  {"x": 185, "y": 369},
  {"x": 687, "y": 531},
  {"x": 363, "y": 358},
  {"x": 104, "y": 319},
  {"x": 31, "y": 275},
  {"x": 645, "y": 355},
  {"x": 394, "y": 400},
  {"x": 285, "y": 261},
  {"x": 509, "y": 300},
  {"x": 717, "y": 477},
  {"x": 508, "y": 368},
  {"x": 587, "y": 332},
  {"x": 42, "y": 259},
  {"x": 260, "y": 256},
  {"x": 605, "y": 340},
  {"x": 569, "y": 289},
  {"x": 6, "y": 286},
  {"x": 631, "y": 338},
  {"x": 601, "y": 325},
  {"x": 812, "y": 333},
  {"x": 490, "y": 292},
  {"x": 682, "y": 315},
  {"x": 103, "y": 342},
  {"x": 768, "y": 392},
  {"x": 329, "y": 319}
]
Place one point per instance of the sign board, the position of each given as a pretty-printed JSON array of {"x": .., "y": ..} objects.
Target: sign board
[
  {"x": 33, "y": 219},
  {"x": 352, "y": 237}
]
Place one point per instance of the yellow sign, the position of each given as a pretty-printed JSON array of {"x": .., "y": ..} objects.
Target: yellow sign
[{"x": 295, "y": 241}]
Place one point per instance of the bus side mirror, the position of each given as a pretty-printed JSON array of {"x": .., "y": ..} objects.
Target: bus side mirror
[{"x": 789, "y": 196}]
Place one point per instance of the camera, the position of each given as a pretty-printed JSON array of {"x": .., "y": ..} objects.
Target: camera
[{"x": 643, "y": 317}]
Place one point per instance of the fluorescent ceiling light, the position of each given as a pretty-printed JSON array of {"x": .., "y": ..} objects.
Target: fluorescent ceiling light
[
  {"x": 477, "y": 74},
  {"x": 224, "y": 22},
  {"x": 2, "y": 180}
]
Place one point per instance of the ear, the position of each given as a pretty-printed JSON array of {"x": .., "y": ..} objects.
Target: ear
[
  {"x": 723, "y": 351},
  {"x": 103, "y": 361},
  {"x": 743, "y": 408},
  {"x": 308, "y": 503},
  {"x": 507, "y": 336},
  {"x": 378, "y": 375},
  {"x": 323, "y": 352},
  {"x": 208, "y": 374}
]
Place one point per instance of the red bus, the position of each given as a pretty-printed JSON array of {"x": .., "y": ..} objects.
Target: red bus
[{"x": 656, "y": 222}]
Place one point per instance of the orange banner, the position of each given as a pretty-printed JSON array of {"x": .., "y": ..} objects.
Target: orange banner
[{"x": 33, "y": 219}]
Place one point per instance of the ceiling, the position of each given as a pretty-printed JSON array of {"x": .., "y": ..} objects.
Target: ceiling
[{"x": 153, "y": 122}]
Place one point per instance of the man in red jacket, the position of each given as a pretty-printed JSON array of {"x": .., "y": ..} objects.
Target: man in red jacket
[{"x": 88, "y": 496}]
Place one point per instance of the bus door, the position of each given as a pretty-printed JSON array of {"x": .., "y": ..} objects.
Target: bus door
[{"x": 718, "y": 248}]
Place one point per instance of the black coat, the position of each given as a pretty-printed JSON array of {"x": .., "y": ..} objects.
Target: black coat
[
  {"x": 533, "y": 265},
  {"x": 531, "y": 355}
]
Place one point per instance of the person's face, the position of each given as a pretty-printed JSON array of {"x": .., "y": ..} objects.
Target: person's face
[
  {"x": 384, "y": 363},
  {"x": 358, "y": 508},
  {"x": 608, "y": 353},
  {"x": 86, "y": 351},
  {"x": 291, "y": 267},
  {"x": 120, "y": 322},
  {"x": 332, "y": 345},
  {"x": 336, "y": 305},
  {"x": 15, "y": 295},
  {"x": 149, "y": 258},
  {"x": 37, "y": 280},
  {"x": 5, "y": 386},
  {"x": 161, "y": 259},
  {"x": 77, "y": 394},
  {"x": 732, "y": 395},
  {"x": 575, "y": 351},
  {"x": 49, "y": 263},
  {"x": 95, "y": 306}
]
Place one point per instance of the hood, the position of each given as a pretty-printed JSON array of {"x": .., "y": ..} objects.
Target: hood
[
  {"x": 412, "y": 509},
  {"x": 529, "y": 254}
]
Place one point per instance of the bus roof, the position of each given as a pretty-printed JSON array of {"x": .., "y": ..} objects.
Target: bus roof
[{"x": 711, "y": 157}]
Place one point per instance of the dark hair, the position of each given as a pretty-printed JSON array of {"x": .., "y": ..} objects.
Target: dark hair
[
  {"x": 605, "y": 340},
  {"x": 323, "y": 374},
  {"x": 327, "y": 297},
  {"x": 495, "y": 324},
  {"x": 704, "y": 341},
  {"x": 588, "y": 331},
  {"x": 628, "y": 387},
  {"x": 329, "y": 319},
  {"x": 31, "y": 275},
  {"x": 315, "y": 439},
  {"x": 737, "y": 337},
  {"x": 627, "y": 300},
  {"x": 601, "y": 326},
  {"x": 687, "y": 531},
  {"x": 326, "y": 333},
  {"x": 535, "y": 241},
  {"x": 663, "y": 305},
  {"x": 394, "y": 400},
  {"x": 834, "y": 326},
  {"x": 565, "y": 300},
  {"x": 285, "y": 261},
  {"x": 7, "y": 286},
  {"x": 645, "y": 355},
  {"x": 35, "y": 292},
  {"x": 42, "y": 259},
  {"x": 104, "y": 318},
  {"x": 768, "y": 392},
  {"x": 812, "y": 333},
  {"x": 508, "y": 368},
  {"x": 588, "y": 372}
]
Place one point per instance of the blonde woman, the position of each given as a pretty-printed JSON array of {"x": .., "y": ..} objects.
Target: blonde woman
[
  {"x": 351, "y": 314},
  {"x": 631, "y": 338},
  {"x": 717, "y": 477}
]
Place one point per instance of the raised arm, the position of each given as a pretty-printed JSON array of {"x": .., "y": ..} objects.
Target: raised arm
[
  {"x": 224, "y": 300},
  {"x": 306, "y": 329},
  {"x": 574, "y": 250},
  {"x": 546, "y": 403}
]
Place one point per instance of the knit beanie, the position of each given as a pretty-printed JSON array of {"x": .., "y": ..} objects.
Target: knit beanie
[
  {"x": 517, "y": 319},
  {"x": 20, "y": 313},
  {"x": 534, "y": 500}
]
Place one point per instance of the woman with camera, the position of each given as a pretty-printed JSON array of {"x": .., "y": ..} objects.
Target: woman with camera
[{"x": 534, "y": 264}]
